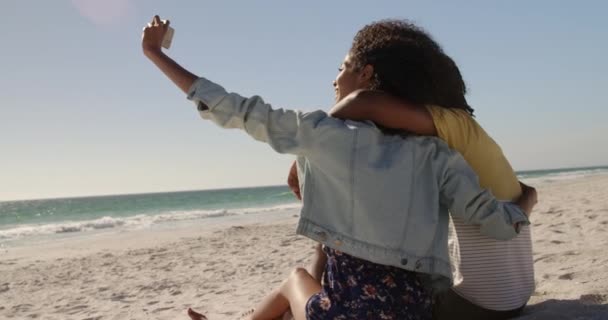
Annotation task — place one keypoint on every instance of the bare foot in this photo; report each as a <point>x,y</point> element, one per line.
<point>195,315</point>
<point>247,314</point>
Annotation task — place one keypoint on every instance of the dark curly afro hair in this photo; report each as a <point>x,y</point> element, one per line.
<point>409,64</point>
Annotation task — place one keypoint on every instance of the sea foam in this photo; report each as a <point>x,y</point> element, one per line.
<point>141,221</point>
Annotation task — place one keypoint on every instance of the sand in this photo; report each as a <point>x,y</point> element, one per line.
<point>570,234</point>
<point>224,269</point>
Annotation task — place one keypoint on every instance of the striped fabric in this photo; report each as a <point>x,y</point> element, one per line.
<point>496,275</point>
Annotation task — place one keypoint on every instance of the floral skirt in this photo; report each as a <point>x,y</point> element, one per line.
<point>358,289</point>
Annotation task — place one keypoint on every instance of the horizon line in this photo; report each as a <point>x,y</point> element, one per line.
<point>243,187</point>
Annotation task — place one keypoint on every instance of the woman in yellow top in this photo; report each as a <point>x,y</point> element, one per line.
<point>496,277</point>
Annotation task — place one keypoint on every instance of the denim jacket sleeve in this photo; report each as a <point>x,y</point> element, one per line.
<point>461,193</point>
<point>286,131</point>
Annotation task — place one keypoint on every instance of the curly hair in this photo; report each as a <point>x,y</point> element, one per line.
<point>409,64</point>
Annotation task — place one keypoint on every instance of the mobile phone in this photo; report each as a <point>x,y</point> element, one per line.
<point>168,38</point>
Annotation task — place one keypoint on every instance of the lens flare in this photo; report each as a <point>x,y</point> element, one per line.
<point>103,12</point>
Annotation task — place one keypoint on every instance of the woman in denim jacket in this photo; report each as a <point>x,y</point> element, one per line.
<point>378,203</point>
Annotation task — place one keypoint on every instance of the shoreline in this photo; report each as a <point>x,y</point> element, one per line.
<point>125,239</point>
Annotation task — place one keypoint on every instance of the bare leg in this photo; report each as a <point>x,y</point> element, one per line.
<point>293,293</point>
<point>317,265</point>
<point>315,269</point>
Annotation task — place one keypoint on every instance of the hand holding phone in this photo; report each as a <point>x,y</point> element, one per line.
<point>156,34</point>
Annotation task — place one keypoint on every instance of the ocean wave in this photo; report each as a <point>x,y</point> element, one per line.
<point>268,209</point>
<point>133,222</point>
<point>536,178</point>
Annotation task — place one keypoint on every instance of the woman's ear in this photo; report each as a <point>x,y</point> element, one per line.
<point>366,75</point>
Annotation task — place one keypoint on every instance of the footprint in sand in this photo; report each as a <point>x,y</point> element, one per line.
<point>76,309</point>
<point>22,307</point>
<point>566,276</point>
<point>594,298</point>
<point>548,257</point>
<point>120,297</point>
<point>571,253</point>
<point>162,309</point>
<point>553,211</point>
<point>223,291</point>
<point>557,242</point>
<point>286,243</point>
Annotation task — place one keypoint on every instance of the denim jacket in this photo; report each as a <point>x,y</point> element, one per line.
<point>382,198</point>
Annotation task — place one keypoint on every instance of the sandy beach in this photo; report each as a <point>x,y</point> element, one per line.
<point>223,270</point>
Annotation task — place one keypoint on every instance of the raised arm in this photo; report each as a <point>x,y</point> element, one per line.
<point>151,45</point>
<point>385,110</point>
<point>312,134</point>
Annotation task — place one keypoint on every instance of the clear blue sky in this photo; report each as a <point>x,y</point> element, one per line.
<point>82,112</point>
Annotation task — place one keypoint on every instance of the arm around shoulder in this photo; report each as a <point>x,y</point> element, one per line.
<point>385,110</point>
<point>461,193</point>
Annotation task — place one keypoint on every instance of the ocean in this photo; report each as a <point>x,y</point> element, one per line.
<point>22,221</point>
<point>41,219</point>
